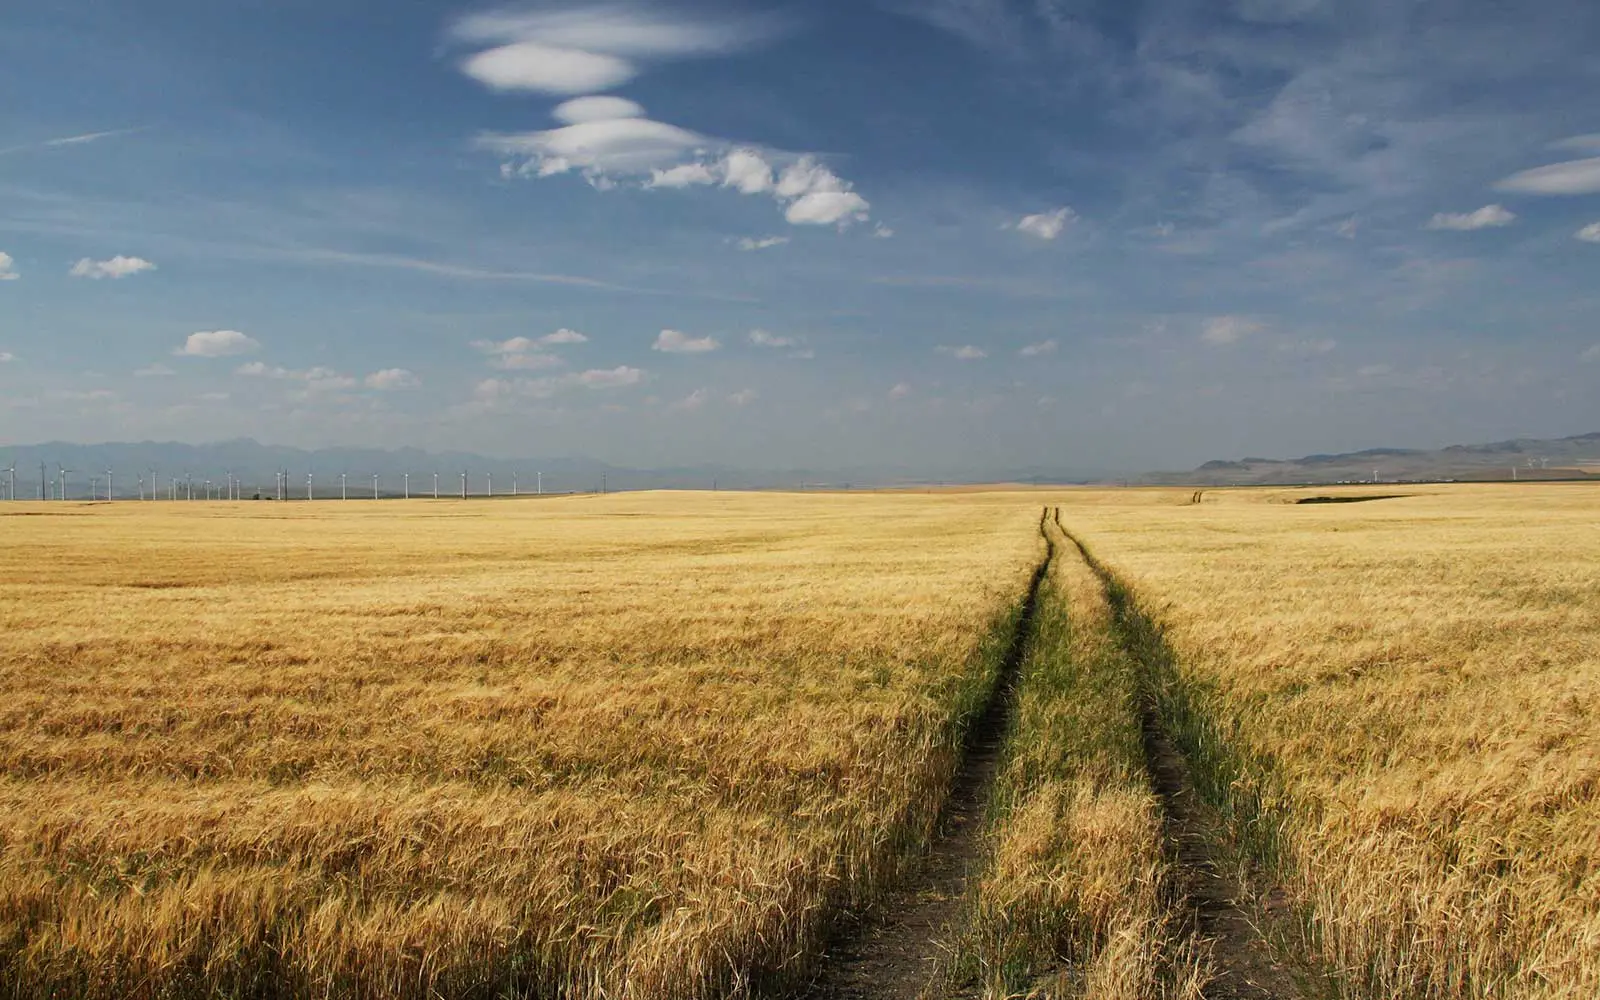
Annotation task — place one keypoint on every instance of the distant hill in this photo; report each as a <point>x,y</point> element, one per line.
<point>1576,457</point>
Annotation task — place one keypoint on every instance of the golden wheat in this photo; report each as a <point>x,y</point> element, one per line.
<point>636,746</point>
<point>1408,689</point>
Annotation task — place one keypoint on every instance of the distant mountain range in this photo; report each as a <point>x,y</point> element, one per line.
<point>177,468</point>
<point>1575,457</point>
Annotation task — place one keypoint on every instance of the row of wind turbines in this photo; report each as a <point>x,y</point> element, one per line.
<point>55,486</point>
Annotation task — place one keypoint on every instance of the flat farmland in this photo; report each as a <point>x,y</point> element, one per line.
<point>1393,704</point>
<point>637,745</point>
<point>1157,744</point>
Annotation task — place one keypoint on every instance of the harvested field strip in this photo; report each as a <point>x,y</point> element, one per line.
<point>1074,901</point>
<point>901,951</point>
<point>1257,949</point>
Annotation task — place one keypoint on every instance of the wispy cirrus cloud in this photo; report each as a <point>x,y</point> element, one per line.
<point>1487,217</point>
<point>73,140</point>
<point>1570,178</point>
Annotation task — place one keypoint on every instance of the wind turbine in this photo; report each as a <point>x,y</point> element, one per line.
<point>11,483</point>
<point>514,485</point>
<point>408,486</point>
<point>463,484</point>
<point>188,484</point>
<point>308,486</point>
<point>42,481</point>
<point>374,486</point>
<point>436,486</point>
<point>64,471</point>
<point>490,476</point>
<point>541,483</point>
<point>153,470</point>
<point>111,487</point>
<point>342,494</point>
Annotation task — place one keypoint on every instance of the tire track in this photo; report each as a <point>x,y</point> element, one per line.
<point>1221,917</point>
<point>898,953</point>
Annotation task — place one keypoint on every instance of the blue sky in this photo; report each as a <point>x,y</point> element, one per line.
<point>961,235</point>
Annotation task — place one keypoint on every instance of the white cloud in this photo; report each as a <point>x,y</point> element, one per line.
<point>154,371</point>
<point>625,146</point>
<point>116,267</point>
<point>966,352</point>
<point>1223,330</point>
<point>214,397</point>
<point>526,353</point>
<point>6,357</point>
<point>746,171</point>
<point>530,361</point>
<point>676,342</point>
<point>217,344</point>
<point>607,378</point>
<point>548,70</point>
<point>765,243</point>
<point>681,176</point>
<point>824,208</point>
<point>315,379</point>
<point>1047,225</point>
<point>744,397</point>
<point>883,232</point>
<point>1591,353</point>
<point>666,156</point>
<point>581,110</point>
<point>1487,217</point>
<point>391,379</point>
<point>694,401</point>
<point>1589,233</point>
<point>622,29</point>
<point>564,336</point>
<point>900,390</point>
<point>1571,177</point>
<point>591,48</point>
<point>1041,348</point>
<point>7,267</point>
<point>762,338</point>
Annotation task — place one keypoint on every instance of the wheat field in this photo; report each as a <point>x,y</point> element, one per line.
<point>652,745</point>
<point>630,746</point>
<point>1399,699</point>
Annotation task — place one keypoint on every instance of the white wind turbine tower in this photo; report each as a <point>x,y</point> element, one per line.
<point>408,486</point>
<point>154,469</point>
<point>111,487</point>
<point>374,486</point>
<point>490,477</point>
<point>436,486</point>
<point>342,494</point>
<point>308,486</point>
<point>540,487</point>
<point>514,485</point>
<point>11,483</point>
<point>64,470</point>
<point>463,484</point>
